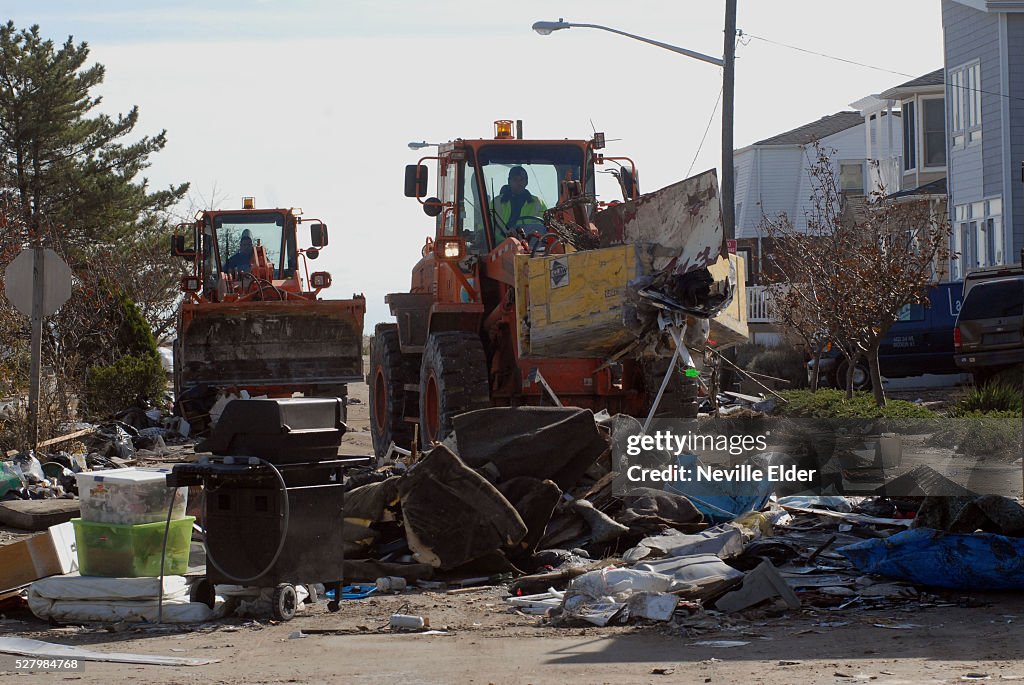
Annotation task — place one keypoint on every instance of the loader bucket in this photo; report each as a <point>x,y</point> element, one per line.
<point>273,347</point>
<point>585,304</point>
<point>681,222</point>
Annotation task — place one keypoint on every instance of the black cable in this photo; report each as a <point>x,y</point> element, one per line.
<point>871,66</point>
<point>163,559</point>
<point>821,54</point>
<point>706,129</point>
<point>286,511</point>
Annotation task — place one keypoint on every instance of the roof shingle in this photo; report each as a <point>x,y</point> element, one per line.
<point>816,130</point>
<point>932,78</point>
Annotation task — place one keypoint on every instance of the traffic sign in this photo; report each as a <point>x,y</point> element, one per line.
<point>19,282</point>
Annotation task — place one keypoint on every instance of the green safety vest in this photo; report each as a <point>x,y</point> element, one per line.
<point>534,206</point>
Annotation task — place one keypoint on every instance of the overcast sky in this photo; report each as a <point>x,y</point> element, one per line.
<point>310,103</point>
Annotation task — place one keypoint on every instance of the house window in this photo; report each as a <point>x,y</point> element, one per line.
<point>963,241</point>
<point>851,177</point>
<point>934,125</point>
<point>978,235</point>
<point>965,104</point>
<point>992,231</point>
<point>909,137</point>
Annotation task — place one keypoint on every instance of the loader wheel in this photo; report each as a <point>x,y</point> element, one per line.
<point>390,371</point>
<point>680,398</point>
<point>453,380</point>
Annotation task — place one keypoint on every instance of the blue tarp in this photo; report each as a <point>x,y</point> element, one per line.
<point>354,592</point>
<point>979,561</point>
<point>720,501</point>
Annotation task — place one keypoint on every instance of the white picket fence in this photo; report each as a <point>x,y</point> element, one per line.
<point>758,304</point>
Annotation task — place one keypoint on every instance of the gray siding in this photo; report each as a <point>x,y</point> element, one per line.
<point>973,35</point>
<point>1015,51</point>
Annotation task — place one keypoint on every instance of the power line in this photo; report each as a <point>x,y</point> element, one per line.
<point>871,66</point>
<point>705,136</point>
<point>822,54</point>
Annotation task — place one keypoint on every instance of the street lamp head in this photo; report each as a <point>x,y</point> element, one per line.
<point>545,28</point>
<point>419,145</point>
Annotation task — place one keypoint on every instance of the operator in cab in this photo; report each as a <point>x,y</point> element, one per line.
<point>241,261</point>
<point>514,202</point>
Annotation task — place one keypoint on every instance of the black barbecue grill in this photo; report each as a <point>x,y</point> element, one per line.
<point>273,497</point>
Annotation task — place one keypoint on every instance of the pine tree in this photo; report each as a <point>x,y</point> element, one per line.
<point>73,177</point>
<point>65,170</point>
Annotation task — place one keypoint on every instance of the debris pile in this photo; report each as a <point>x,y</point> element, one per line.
<point>530,491</point>
<point>137,437</point>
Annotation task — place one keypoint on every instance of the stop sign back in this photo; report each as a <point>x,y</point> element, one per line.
<point>19,282</point>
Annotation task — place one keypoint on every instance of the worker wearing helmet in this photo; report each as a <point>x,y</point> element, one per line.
<point>513,203</point>
<point>241,260</point>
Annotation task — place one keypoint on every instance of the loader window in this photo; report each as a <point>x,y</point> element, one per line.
<point>264,229</point>
<point>545,167</point>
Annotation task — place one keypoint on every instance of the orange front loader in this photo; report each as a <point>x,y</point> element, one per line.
<point>252,317</point>
<point>542,298</point>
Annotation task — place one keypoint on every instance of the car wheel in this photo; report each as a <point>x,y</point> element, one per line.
<point>861,376</point>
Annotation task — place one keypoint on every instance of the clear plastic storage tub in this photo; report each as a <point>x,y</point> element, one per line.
<point>129,496</point>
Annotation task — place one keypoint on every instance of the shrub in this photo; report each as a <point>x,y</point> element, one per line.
<point>745,353</point>
<point>981,435</point>
<point>135,372</point>
<point>786,363</point>
<point>1000,397</point>
<point>109,389</point>
<point>829,403</point>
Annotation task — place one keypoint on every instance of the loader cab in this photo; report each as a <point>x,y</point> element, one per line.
<point>226,235</point>
<point>474,198</point>
<point>510,184</point>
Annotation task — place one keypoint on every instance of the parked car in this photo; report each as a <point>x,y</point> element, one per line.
<point>989,334</point>
<point>919,342</point>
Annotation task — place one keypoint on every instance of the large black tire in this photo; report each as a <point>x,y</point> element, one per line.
<point>453,380</point>
<point>679,400</point>
<point>390,372</point>
<point>861,376</point>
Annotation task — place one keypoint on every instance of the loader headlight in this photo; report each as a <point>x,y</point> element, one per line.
<point>190,284</point>
<point>450,248</point>
<point>320,279</point>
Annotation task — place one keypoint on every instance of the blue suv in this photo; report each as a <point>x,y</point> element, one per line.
<point>919,342</point>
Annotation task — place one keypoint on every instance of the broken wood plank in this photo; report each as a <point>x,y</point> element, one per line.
<point>65,438</point>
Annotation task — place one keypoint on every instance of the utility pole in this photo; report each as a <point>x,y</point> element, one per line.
<point>728,188</point>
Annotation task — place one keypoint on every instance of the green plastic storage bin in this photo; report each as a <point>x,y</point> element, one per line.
<point>124,551</point>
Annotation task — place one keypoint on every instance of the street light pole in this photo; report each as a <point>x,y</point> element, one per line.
<point>545,28</point>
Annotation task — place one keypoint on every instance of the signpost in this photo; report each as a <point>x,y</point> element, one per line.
<point>38,283</point>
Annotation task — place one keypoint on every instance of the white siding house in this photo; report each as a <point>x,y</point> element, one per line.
<point>773,177</point>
